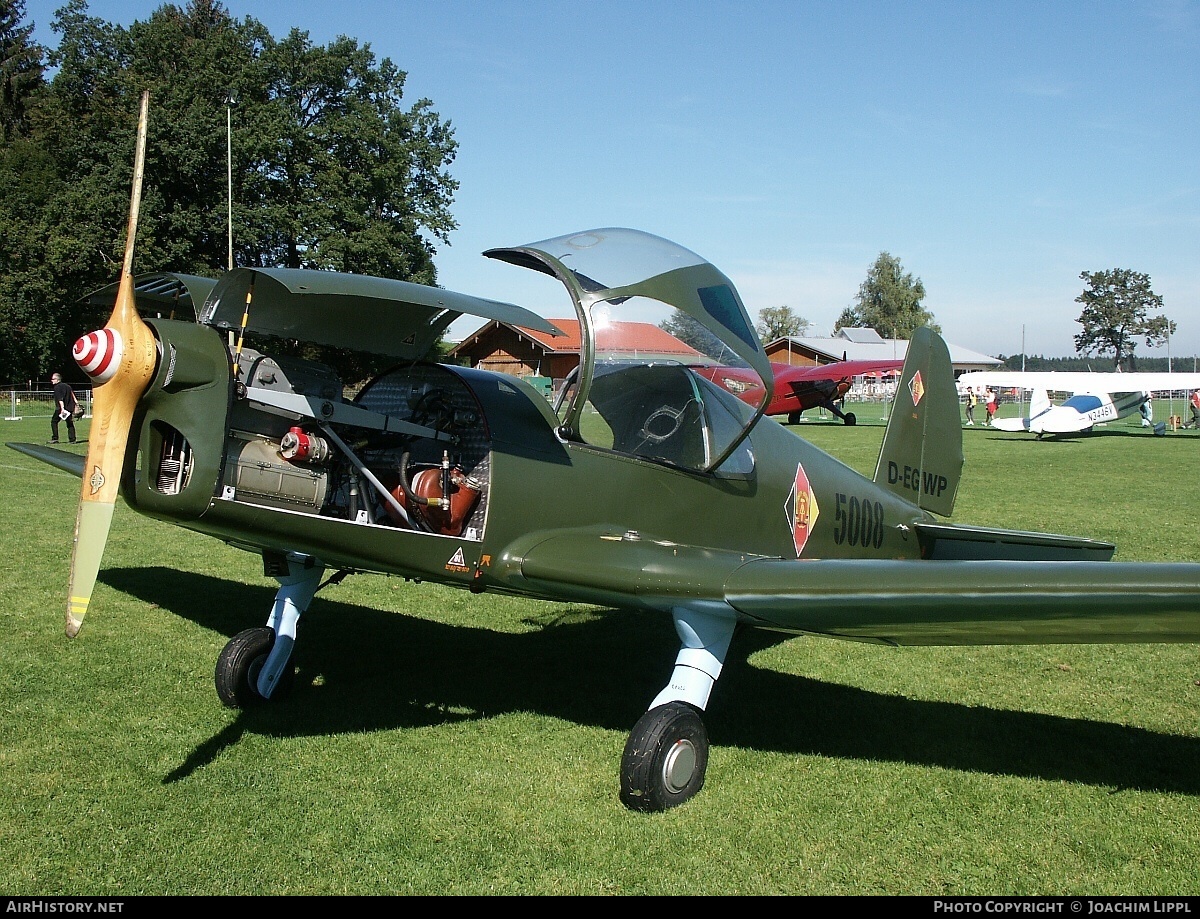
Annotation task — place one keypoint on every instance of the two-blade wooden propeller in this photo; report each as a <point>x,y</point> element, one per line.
<point>120,359</point>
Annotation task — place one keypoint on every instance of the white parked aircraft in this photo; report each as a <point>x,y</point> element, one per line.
<point>1096,398</point>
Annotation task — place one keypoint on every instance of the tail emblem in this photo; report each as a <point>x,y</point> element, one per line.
<point>916,388</point>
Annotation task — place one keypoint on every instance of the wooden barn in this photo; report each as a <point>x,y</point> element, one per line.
<point>525,353</point>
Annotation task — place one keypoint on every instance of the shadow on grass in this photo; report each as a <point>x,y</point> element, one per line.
<point>1083,436</point>
<point>362,669</point>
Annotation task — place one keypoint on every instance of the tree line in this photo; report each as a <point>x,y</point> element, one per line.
<point>330,167</point>
<point>318,155</point>
<point>1119,306</point>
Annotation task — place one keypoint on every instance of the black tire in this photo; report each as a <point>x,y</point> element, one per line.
<point>794,417</point>
<point>665,758</point>
<point>851,419</point>
<point>238,666</point>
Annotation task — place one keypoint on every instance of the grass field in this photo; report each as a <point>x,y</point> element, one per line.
<point>445,743</point>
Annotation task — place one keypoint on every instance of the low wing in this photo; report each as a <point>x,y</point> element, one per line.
<point>602,565</point>
<point>1079,382</point>
<point>60,459</point>
<point>976,602</point>
<point>976,586</point>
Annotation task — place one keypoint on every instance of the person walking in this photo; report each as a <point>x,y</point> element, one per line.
<point>991,404</point>
<point>65,404</point>
<point>1194,401</point>
<point>972,401</point>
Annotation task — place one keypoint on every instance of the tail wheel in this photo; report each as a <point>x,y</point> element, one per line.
<point>665,758</point>
<point>238,667</point>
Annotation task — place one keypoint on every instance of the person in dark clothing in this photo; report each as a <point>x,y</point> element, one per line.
<point>64,408</point>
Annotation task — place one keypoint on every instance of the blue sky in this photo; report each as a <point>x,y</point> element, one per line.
<point>997,149</point>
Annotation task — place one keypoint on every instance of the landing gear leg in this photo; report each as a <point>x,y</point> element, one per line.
<point>666,755</point>
<point>256,663</point>
<point>848,418</point>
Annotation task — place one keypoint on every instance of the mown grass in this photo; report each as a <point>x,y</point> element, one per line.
<point>443,743</point>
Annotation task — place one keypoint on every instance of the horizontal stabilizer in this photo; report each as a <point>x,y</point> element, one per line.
<point>1010,424</point>
<point>1039,405</point>
<point>967,542</point>
<point>60,459</point>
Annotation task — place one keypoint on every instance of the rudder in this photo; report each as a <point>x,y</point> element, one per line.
<point>922,459</point>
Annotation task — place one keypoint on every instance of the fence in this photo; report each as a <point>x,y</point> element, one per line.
<point>39,403</point>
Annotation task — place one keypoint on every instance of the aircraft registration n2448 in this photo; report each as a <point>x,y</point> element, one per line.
<point>1096,398</point>
<point>644,486</point>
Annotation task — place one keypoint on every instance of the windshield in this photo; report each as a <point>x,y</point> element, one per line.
<point>648,309</point>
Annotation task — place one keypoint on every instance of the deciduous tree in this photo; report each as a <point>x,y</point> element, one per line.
<point>331,167</point>
<point>780,322</point>
<point>888,301</point>
<point>1116,310</point>
<point>693,334</point>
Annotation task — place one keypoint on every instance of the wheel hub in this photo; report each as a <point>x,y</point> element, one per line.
<point>678,766</point>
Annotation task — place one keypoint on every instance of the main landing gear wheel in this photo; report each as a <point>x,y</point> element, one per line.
<point>794,417</point>
<point>850,418</point>
<point>665,758</point>
<point>238,667</point>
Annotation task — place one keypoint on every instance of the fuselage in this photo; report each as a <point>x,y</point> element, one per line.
<point>1080,413</point>
<point>792,393</point>
<point>214,460</point>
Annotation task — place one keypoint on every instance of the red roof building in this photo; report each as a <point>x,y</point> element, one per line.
<point>523,352</point>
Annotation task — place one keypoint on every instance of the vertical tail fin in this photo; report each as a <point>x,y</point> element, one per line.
<point>1039,404</point>
<point>922,458</point>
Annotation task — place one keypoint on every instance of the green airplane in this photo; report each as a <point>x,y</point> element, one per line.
<point>643,485</point>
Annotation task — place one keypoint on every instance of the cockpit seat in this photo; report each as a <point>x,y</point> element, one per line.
<point>654,411</point>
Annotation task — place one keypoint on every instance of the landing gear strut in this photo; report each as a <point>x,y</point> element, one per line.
<point>239,665</point>
<point>256,664</point>
<point>666,755</point>
<point>849,418</point>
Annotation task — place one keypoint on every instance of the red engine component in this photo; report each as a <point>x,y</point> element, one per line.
<point>442,516</point>
<point>298,447</point>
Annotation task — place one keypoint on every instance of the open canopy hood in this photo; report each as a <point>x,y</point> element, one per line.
<point>380,316</point>
<point>618,277</point>
<point>617,264</point>
<point>377,315</point>
<point>165,294</point>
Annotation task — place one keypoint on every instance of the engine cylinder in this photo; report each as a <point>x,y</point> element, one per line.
<point>257,472</point>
